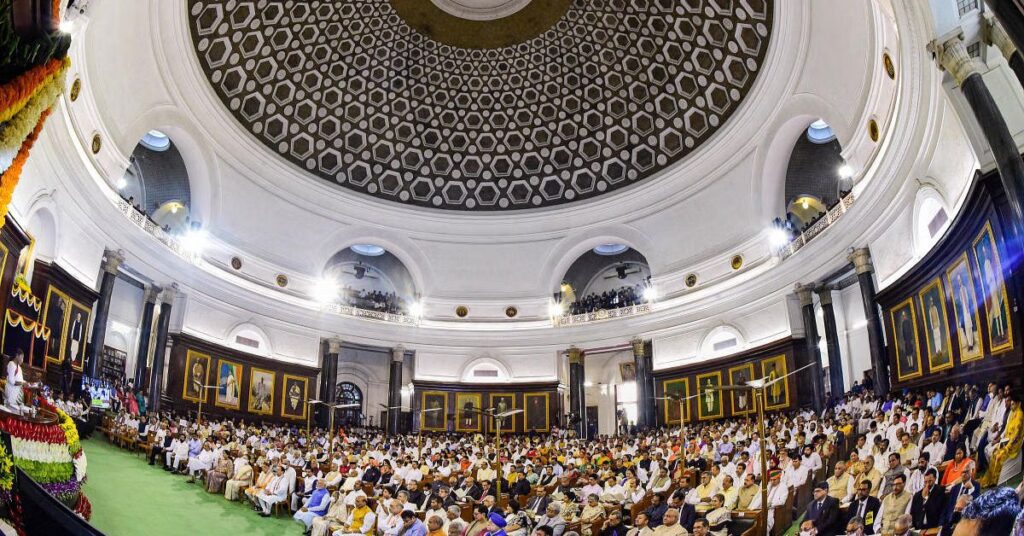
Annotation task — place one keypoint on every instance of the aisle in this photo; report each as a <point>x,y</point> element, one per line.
<point>129,497</point>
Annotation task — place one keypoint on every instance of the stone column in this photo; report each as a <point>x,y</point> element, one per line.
<point>157,372</point>
<point>142,356</point>
<point>835,362</point>
<point>395,389</point>
<point>813,374</point>
<point>328,380</point>
<point>1008,13</point>
<point>577,391</point>
<point>994,35</point>
<point>966,72</point>
<point>111,263</point>
<point>644,384</point>
<point>861,259</point>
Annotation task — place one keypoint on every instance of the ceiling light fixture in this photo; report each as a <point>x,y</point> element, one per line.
<point>122,183</point>
<point>195,241</point>
<point>778,237</point>
<point>650,294</point>
<point>845,171</point>
<point>325,290</point>
<point>555,309</point>
<point>416,309</point>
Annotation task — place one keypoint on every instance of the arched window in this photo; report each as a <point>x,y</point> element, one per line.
<point>349,393</point>
<point>156,182</point>
<point>930,219</point>
<point>814,178</point>
<point>609,276</point>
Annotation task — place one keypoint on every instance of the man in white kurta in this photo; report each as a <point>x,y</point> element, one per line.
<point>275,492</point>
<point>201,462</point>
<point>15,379</point>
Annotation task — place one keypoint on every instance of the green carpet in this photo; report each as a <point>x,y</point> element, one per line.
<point>129,497</point>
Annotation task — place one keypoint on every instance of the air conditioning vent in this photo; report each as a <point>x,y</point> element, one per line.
<point>246,341</point>
<point>722,345</point>
<point>485,373</point>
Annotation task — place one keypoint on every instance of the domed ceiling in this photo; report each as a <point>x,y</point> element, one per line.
<point>560,101</point>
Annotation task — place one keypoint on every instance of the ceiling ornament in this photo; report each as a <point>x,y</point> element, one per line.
<point>614,92</point>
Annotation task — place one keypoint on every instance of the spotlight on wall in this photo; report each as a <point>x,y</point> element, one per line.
<point>195,240</point>
<point>416,309</point>
<point>845,171</point>
<point>121,183</point>
<point>555,309</point>
<point>588,384</point>
<point>650,294</point>
<point>778,237</point>
<point>67,26</point>
<point>325,290</point>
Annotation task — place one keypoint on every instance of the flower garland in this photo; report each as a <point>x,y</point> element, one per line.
<point>16,93</point>
<point>46,433</point>
<point>45,473</point>
<point>9,178</point>
<point>20,126</point>
<point>6,470</point>
<point>38,451</point>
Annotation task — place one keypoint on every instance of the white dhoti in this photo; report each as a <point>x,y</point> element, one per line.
<point>13,395</point>
<point>306,518</point>
<point>196,466</point>
<point>267,501</point>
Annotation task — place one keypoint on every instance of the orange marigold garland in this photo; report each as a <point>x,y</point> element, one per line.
<point>15,94</point>
<point>9,179</point>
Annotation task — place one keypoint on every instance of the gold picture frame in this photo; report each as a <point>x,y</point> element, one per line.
<point>294,397</point>
<point>670,406</point>
<point>993,269</point>
<point>905,368</point>
<point>466,421</point>
<point>193,388</point>
<point>710,401</point>
<point>261,401</point>
<point>776,396</point>
<point>224,400</point>
<point>966,318</point>
<point>427,421</point>
<point>532,419</point>
<point>56,330</point>
<point>734,396</point>
<point>493,401</point>
<point>934,317</point>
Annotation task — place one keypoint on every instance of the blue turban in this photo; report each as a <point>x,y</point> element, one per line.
<point>497,520</point>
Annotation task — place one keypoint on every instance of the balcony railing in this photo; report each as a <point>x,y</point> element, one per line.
<point>601,314</point>
<point>831,216</point>
<point>348,310</point>
<point>154,230</point>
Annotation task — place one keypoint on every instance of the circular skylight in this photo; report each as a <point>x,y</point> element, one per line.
<point>610,249</point>
<point>820,132</point>
<point>368,250</point>
<point>155,140</point>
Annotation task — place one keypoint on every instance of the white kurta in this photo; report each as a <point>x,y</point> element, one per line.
<point>12,393</point>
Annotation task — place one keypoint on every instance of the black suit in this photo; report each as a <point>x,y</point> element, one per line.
<point>951,497</point>
<point>927,513</point>
<point>474,492</point>
<point>867,510</point>
<point>825,514</point>
<point>538,504</point>
<point>521,487</point>
<point>371,475</point>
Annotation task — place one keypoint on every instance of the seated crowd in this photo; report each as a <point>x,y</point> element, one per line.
<point>911,462</point>
<point>374,300</point>
<point>609,299</point>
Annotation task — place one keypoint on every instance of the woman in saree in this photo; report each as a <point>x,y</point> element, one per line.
<point>1008,446</point>
<point>220,473</point>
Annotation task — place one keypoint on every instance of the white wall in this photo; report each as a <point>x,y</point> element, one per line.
<point>853,334</point>
<point>124,322</point>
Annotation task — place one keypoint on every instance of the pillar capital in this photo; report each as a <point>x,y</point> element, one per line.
<point>169,293</point>
<point>398,353</point>
<point>112,260</point>
<point>805,293</point>
<point>994,34</point>
<point>861,259</point>
<point>824,293</point>
<point>575,355</point>
<point>334,346</point>
<point>952,56</point>
<point>151,293</point>
<point>638,345</point>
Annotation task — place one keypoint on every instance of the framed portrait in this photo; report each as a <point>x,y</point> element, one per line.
<point>932,300</point>
<point>261,392</point>
<point>627,370</point>
<point>293,397</point>
<point>195,376</point>
<point>74,339</point>
<point>500,403</point>
<point>436,419</point>
<point>55,313</point>
<point>538,412</point>
<point>908,352</point>
<point>993,291</point>
<point>676,387</point>
<point>777,395</point>
<point>709,399</point>
<point>467,407</point>
<point>966,323</point>
<point>229,384</point>
<point>742,401</point>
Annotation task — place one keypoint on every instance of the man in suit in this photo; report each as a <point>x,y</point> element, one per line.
<point>965,487</point>
<point>522,485</point>
<point>928,504</point>
<point>864,506</point>
<point>539,502</point>
<point>824,511</point>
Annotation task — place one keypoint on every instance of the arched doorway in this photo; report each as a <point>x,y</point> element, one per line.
<point>349,393</point>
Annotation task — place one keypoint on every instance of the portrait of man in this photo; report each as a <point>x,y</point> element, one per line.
<point>537,415</point>
<point>468,406</point>
<point>437,419</point>
<point>228,389</point>
<point>777,394</point>
<point>904,323</point>
<point>196,367</point>
<point>741,400</point>
<point>993,289</point>
<point>933,310</point>
<point>709,401</point>
<point>628,371</point>
<point>960,283</point>
<point>261,392</point>
<point>676,389</point>
<point>293,403</point>
<point>57,305</point>
<point>501,404</point>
